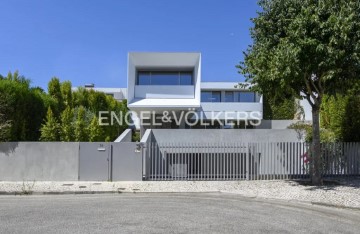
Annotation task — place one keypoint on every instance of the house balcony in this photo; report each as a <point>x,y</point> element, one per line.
<point>165,91</point>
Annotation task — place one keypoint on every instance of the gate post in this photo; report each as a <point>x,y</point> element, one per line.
<point>247,161</point>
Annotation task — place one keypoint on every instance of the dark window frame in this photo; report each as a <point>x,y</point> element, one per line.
<point>239,96</point>
<point>210,91</point>
<point>233,96</point>
<point>178,72</point>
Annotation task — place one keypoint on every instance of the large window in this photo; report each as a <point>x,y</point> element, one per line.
<point>186,78</point>
<point>246,96</point>
<point>229,96</point>
<point>211,96</point>
<point>165,78</point>
<point>144,78</point>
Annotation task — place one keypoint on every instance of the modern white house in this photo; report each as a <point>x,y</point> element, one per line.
<point>169,83</point>
<point>192,129</point>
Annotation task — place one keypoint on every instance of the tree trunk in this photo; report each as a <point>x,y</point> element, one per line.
<point>316,176</point>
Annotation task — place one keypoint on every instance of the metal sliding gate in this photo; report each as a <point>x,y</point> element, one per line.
<point>245,161</point>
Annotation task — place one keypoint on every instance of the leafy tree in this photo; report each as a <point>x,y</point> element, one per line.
<point>66,93</point>
<point>24,117</point>
<point>332,113</point>
<point>304,131</point>
<point>67,126</point>
<point>5,124</point>
<point>351,121</point>
<point>340,115</point>
<point>47,100</point>
<point>50,129</point>
<point>119,109</point>
<point>81,97</point>
<point>95,130</point>
<point>93,102</point>
<point>283,108</point>
<point>307,48</point>
<point>97,101</point>
<point>54,90</point>
<point>80,125</point>
<point>25,108</point>
<point>16,77</point>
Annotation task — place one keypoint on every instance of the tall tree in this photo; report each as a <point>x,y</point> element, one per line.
<point>18,78</point>
<point>351,121</point>
<point>66,93</point>
<point>97,101</point>
<point>80,125</point>
<point>50,129</point>
<point>5,124</point>
<point>24,107</point>
<point>81,97</point>
<point>54,90</point>
<point>95,131</point>
<point>307,48</point>
<point>67,126</point>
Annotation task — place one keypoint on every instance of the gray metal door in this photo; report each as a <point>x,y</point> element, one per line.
<point>127,162</point>
<point>95,161</point>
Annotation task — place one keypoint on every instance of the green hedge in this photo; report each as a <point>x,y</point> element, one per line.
<point>340,114</point>
<point>279,109</point>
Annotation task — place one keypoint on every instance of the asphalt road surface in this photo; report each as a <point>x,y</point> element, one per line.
<point>169,213</point>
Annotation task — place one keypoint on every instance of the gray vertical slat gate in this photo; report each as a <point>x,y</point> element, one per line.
<point>246,161</point>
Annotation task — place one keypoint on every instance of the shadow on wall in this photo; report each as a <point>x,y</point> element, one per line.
<point>8,147</point>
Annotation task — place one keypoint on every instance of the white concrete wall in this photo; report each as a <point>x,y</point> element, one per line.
<point>126,136</point>
<point>131,79</point>
<point>276,124</point>
<point>224,135</point>
<point>172,94</point>
<point>49,161</point>
<point>69,161</point>
<point>197,81</point>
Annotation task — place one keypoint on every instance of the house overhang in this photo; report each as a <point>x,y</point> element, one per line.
<point>162,96</point>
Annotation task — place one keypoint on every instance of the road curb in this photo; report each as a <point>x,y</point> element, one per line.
<point>296,201</point>
<point>57,193</point>
<point>94,192</point>
<point>335,205</point>
<point>6,193</point>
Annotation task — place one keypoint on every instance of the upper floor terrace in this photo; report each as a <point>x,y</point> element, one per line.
<point>164,80</point>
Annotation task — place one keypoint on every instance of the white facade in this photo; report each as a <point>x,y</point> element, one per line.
<point>236,109</point>
<point>159,97</point>
<point>209,100</point>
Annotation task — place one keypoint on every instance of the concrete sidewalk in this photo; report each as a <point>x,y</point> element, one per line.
<point>343,193</point>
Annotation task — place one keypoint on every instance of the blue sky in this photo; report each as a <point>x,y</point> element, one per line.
<point>87,41</point>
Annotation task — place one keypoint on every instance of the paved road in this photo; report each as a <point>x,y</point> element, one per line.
<point>168,213</point>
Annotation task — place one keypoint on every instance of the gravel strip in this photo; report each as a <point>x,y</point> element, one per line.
<point>345,192</point>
